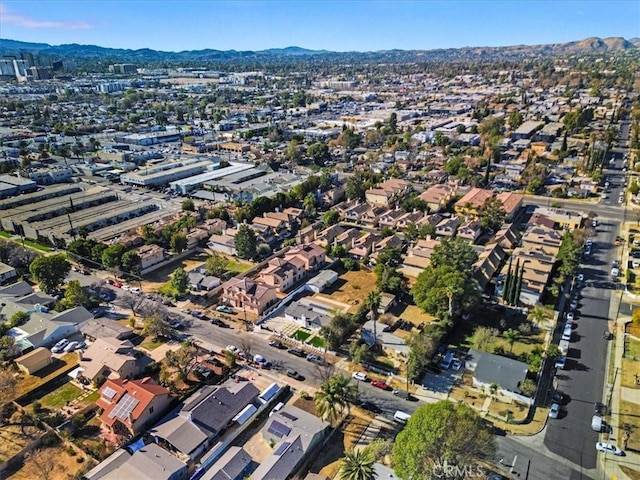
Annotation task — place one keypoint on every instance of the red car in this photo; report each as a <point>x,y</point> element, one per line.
<point>117,284</point>
<point>380,384</point>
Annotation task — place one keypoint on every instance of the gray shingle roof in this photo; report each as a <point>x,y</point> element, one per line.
<point>505,372</point>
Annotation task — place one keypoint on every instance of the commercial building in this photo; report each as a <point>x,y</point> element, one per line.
<point>186,185</point>
<point>164,174</point>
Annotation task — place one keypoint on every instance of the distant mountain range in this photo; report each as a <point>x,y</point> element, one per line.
<point>87,52</point>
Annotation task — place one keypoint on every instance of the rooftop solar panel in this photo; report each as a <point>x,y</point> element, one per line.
<point>108,392</point>
<point>282,448</point>
<point>278,429</point>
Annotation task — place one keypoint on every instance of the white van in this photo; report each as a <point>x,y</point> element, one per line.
<point>277,408</point>
<point>596,423</point>
<point>401,417</point>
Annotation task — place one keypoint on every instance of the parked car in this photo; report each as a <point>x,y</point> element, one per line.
<point>361,376</point>
<point>369,406</point>
<point>581,277</point>
<point>554,411</point>
<point>218,322</point>
<point>380,384</point>
<point>260,360</point>
<point>58,347</point>
<point>315,359</point>
<point>456,364</point>
<point>570,316</point>
<point>117,284</point>
<point>276,344</point>
<point>297,352</point>
<point>295,375</point>
<point>561,362</point>
<point>402,394</point>
<point>71,346</point>
<point>608,448</point>
<point>558,397</point>
<point>232,349</point>
<point>224,309</point>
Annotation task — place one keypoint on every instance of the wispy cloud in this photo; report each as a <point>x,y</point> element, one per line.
<point>10,18</point>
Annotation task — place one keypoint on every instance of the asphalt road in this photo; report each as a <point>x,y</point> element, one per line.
<point>571,436</point>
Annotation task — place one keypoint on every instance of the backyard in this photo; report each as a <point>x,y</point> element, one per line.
<point>17,433</point>
<point>351,288</point>
<point>629,415</point>
<point>66,394</point>
<point>524,343</point>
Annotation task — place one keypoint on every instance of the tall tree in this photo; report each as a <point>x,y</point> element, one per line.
<point>178,242</point>
<point>182,359</point>
<point>216,264</point>
<point>245,242</point>
<point>514,284</point>
<point>333,398</point>
<point>180,280</point>
<point>491,214</point>
<point>357,465</point>
<point>50,271</point>
<point>440,432</point>
<point>511,336</point>
<point>456,253</point>
<point>506,290</point>
<point>372,303</point>
<point>131,262</point>
<point>156,326</point>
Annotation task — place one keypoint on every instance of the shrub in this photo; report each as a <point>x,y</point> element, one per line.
<point>71,452</point>
<point>80,459</point>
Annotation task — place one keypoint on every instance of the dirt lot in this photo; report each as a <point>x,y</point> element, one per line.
<point>15,437</point>
<point>351,288</point>
<point>157,278</point>
<point>630,371</point>
<point>66,466</point>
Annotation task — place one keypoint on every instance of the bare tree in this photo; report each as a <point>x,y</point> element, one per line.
<point>41,463</point>
<point>132,301</point>
<point>246,344</point>
<point>8,384</point>
<point>324,371</point>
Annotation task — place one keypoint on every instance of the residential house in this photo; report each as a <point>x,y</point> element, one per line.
<point>488,263</point>
<point>150,462</point>
<point>355,213</point>
<point>390,217</point>
<point>310,233</point>
<point>324,279</point>
<point>347,238</point>
<point>472,201</point>
<point>7,273</point>
<point>470,230</point>
<point>310,254</point>
<point>409,217</point>
<point>34,361</point>
<point>564,219</point>
<point>448,226</point>
<point>199,280</point>
<point>113,358</point>
<point>275,224</point>
<point>389,341</point>
<point>295,435</point>
<point>248,295</point>
<point>103,328</point>
<point>511,203</point>
<point>542,238</point>
<point>234,464</point>
<point>283,274</point>
<point>489,369</point>
<point>433,219</point>
<point>44,328</point>
<point>363,246</point>
<point>308,312</point>
<point>419,257</point>
<point>508,236</point>
<point>343,207</point>
<point>371,217</point>
<point>537,270</point>
<point>389,192</point>
<point>438,196</point>
<point>196,236</point>
<point>150,255</point>
<point>129,406</point>
<point>327,236</point>
<point>196,424</point>
<point>223,243</point>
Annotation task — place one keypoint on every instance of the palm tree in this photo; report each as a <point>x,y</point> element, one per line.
<point>540,317</point>
<point>372,302</point>
<point>332,400</point>
<point>309,203</point>
<point>511,336</point>
<point>357,465</point>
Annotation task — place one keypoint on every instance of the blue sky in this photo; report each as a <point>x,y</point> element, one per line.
<point>362,25</point>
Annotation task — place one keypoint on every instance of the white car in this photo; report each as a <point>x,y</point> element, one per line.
<point>608,448</point>
<point>570,316</point>
<point>59,347</point>
<point>566,334</point>
<point>232,349</point>
<point>71,346</point>
<point>456,365</point>
<point>360,376</point>
<point>621,200</point>
<point>554,411</point>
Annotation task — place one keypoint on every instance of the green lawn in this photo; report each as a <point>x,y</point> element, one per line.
<point>59,397</point>
<point>301,335</point>
<point>150,344</point>
<point>631,349</point>
<point>37,246</point>
<point>317,342</point>
<point>238,266</point>
<point>5,235</point>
